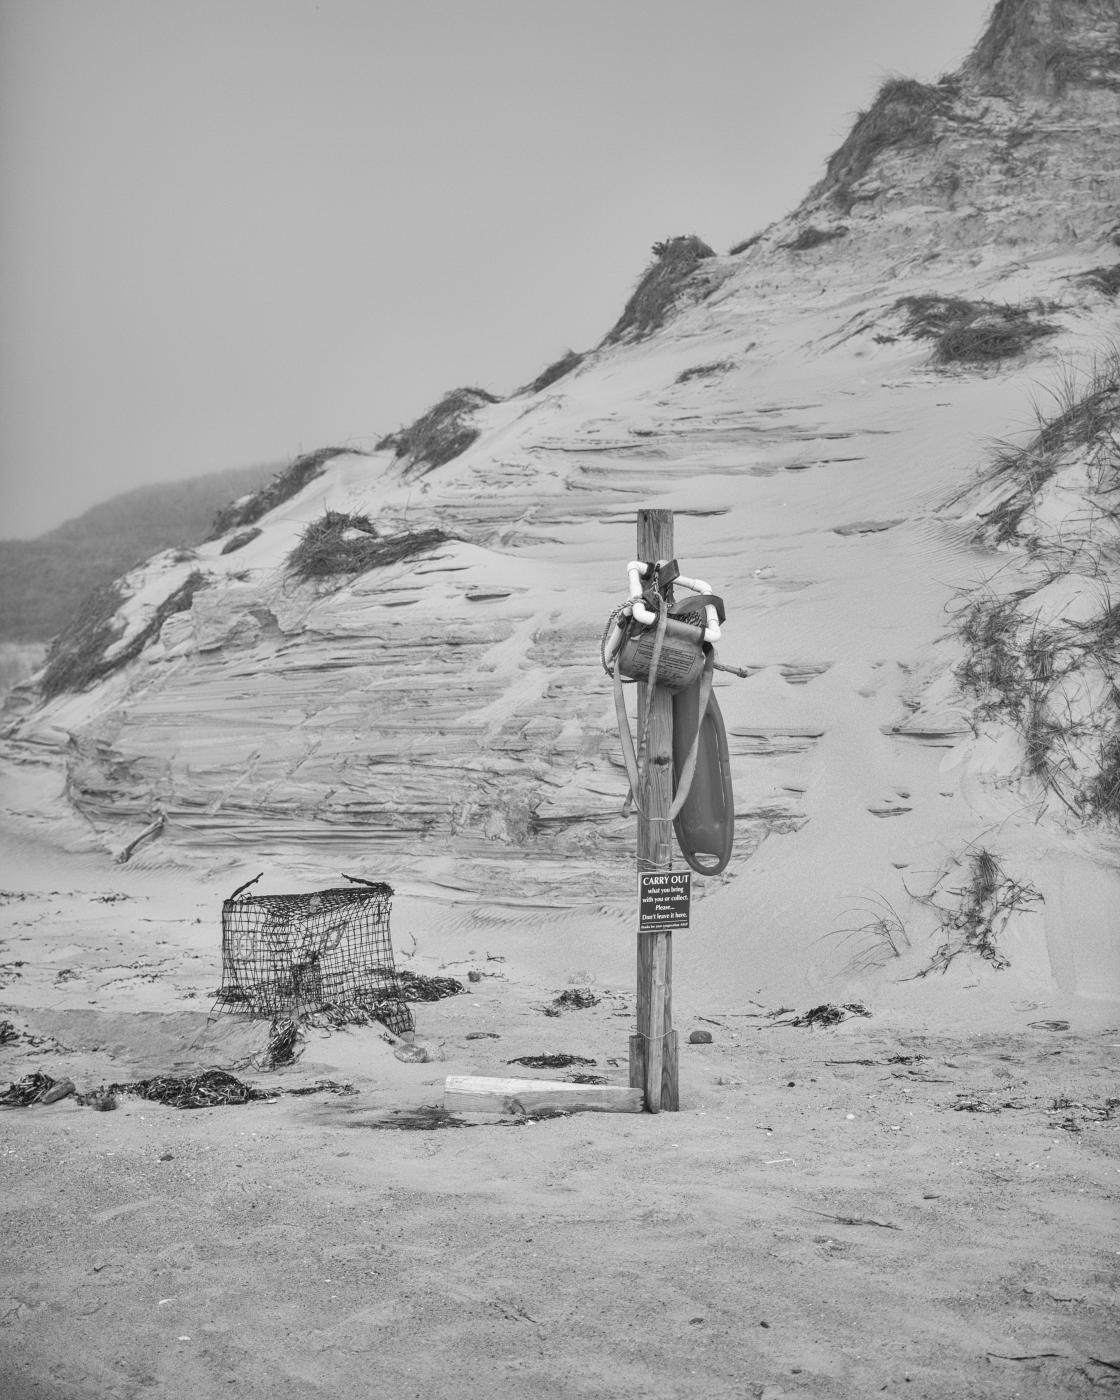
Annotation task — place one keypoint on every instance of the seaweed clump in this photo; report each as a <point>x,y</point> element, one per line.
<point>210,1089</point>
<point>417,986</point>
<point>560,1061</point>
<point>675,260</point>
<point>576,999</point>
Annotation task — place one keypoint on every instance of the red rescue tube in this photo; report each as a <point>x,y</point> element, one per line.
<point>705,824</point>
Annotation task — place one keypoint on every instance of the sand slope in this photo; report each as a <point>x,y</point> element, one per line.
<point>918,1201</point>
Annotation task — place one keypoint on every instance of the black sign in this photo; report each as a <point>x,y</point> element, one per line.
<point>664,897</point>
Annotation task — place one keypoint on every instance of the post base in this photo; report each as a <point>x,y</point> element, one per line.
<point>669,1097</point>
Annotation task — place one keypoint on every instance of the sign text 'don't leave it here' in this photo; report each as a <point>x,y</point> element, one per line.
<point>664,897</point>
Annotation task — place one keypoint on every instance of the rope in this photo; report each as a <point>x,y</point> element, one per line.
<point>615,615</point>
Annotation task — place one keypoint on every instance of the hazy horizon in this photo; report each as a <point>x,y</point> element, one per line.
<point>234,232</point>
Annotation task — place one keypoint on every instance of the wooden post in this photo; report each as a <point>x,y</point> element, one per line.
<point>653,1051</point>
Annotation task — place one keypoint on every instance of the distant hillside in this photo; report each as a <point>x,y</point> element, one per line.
<point>43,581</point>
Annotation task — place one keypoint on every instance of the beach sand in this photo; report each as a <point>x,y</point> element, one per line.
<point>920,1201</point>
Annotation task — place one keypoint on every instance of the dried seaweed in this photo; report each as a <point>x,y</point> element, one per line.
<point>977,1103</point>
<point>211,1089</point>
<point>283,1041</point>
<point>827,1015</point>
<point>561,1061</point>
<point>576,999</point>
<point>415,986</point>
<point>31,1089</point>
<point>324,1086</point>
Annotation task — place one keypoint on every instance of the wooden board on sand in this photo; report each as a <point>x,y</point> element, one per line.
<point>469,1093</point>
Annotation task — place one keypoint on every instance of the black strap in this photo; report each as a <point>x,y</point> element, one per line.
<point>688,605</point>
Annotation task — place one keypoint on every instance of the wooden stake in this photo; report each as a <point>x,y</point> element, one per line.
<point>152,830</point>
<point>653,1051</point>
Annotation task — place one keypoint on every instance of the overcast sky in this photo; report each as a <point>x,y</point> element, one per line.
<point>234,230</point>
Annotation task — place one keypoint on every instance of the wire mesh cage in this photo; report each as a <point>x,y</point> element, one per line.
<point>299,956</point>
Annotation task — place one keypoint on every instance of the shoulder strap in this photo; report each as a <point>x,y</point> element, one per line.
<point>688,772</point>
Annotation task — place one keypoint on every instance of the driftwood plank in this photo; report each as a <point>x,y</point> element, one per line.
<point>470,1093</point>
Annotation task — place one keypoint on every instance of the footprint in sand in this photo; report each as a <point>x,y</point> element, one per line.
<point>802,672</point>
<point>895,804</point>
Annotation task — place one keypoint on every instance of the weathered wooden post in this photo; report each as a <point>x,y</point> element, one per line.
<point>653,1050</point>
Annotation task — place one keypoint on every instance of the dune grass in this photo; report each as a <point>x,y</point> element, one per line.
<point>675,260</point>
<point>1103,793</point>
<point>972,332</point>
<point>286,484</point>
<point>904,114</point>
<point>441,434</point>
<point>706,371</point>
<point>1053,672</point>
<point>77,657</point>
<point>979,911</point>
<point>340,544</point>
<point>879,935</point>
<point>1067,67</point>
<point>810,237</point>
<point>992,670</point>
<point>570,360</point>
<point>241,539</point>
<point>1104,279</point>
<point>1083,416</point>
<point>1021,673</point>
<point>744,245</point>
<point>1034,48</point>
